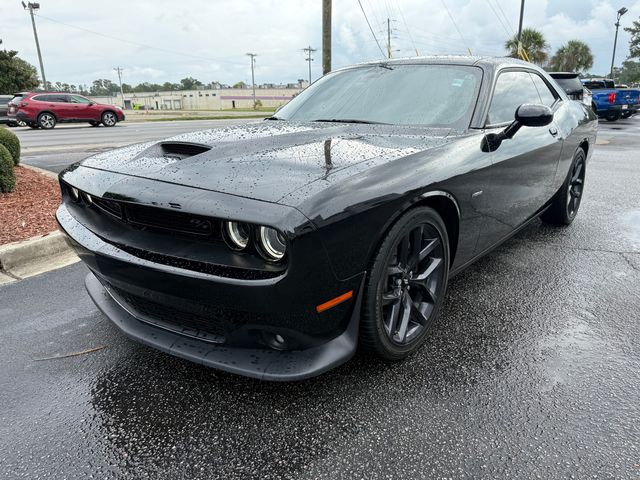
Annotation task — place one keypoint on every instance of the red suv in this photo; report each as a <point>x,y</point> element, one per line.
<point>45,110</point>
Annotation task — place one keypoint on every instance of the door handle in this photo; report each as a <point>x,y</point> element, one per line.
<point>553,131</point>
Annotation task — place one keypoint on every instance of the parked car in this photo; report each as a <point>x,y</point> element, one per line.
<point>275,250</point>
<point>571,84</point>
<point>4,108</point>
<point>47,109</point>
<point>612,103</point>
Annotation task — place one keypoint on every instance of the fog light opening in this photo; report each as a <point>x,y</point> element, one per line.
<point>275,341</point>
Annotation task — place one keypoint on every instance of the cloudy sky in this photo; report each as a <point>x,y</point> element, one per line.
<point>162,40</point>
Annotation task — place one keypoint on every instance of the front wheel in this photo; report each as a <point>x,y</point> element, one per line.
<point>565,204</point>
<point>109,119</point>
<point>46,120</point>
<point>405,286</point>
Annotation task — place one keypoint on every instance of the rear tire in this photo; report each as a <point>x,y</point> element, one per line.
<point>405,286</point>
<point>47,121</point>
<point>612,116</point>
<point>109,119</point>
<point>626,114</point>
<point>566,202</point>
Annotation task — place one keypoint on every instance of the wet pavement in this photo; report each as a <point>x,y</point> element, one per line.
<point>532,371</point>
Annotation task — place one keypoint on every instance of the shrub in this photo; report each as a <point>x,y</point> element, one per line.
<point>7,175</point>
<point>11,143</point>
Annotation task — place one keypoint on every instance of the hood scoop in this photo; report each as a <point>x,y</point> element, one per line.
<point>175,150</point>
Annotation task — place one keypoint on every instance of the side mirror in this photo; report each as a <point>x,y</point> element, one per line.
<point>527,115</point>
<point>91,104</point>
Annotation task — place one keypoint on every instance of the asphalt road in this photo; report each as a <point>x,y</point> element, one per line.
<point>55,149</point>
<point>532,371</point>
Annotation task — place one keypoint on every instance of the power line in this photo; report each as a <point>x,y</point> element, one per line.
<point>455,25</point>
<point>407,28</point>
<point>506,19</point>
<point>372,32</point>
<point>495,12</point>
<point>173,52</point>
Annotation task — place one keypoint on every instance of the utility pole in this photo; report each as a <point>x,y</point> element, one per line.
<point>309,51</point>
<point>31,7</point>
<point>520,29</point>
<point>388,38</point>
<point>326,36</point>
<point>253,79</point>
<point>119,70</point>
<point>621,12</point>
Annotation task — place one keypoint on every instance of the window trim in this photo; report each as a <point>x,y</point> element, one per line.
<point>554,107</point>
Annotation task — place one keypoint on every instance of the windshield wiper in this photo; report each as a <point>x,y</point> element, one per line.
<point>347,120</point>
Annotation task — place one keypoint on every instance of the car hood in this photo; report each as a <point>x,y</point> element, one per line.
<point>270,160</point>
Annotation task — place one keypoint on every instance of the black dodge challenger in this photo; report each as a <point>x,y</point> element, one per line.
<point>274,250</point>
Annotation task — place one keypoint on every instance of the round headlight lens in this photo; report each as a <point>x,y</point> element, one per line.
<point>237,234</point>
<point>75,194</point>
<point>272,243</point>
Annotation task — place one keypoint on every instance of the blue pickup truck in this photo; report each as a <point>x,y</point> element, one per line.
<point>612,103</point>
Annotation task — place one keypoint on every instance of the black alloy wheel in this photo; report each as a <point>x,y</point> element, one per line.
<point>576,183</point>
<point>46,120</point>
<point>566,202</point>
<point>612,116</point>
<point>109,119</point>
<point>406,286</point>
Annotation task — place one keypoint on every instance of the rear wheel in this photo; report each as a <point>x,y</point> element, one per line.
<point>565,204</point>
<point>406,284</point>
<point>46,120</point>
<point>612,116</point>
<point>109,119</point>
<point>626,114</point>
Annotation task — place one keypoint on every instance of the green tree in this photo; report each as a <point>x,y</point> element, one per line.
<point>15,73</point>
<point>575,56</point>
<point>240,84</point>
<point>533,43</point>
<point>629,73</point>
<point>103,87</point>
<point>634,42</point>
<point>190,83</point>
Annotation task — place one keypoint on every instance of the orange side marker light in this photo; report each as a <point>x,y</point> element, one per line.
<point>335,301</point>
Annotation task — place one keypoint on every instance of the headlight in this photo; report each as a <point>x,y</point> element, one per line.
<point>237,234</point>
<point>88,199</point>
<point>75,194</point>
<point>273,245</point>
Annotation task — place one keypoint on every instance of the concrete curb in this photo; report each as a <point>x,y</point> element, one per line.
<point>41,171</point>
<point>37,255</point>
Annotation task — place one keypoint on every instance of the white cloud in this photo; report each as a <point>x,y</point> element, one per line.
<point>209,40</point>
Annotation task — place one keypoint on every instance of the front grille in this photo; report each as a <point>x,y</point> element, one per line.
<point>168,220</point>
<point>210,327</point>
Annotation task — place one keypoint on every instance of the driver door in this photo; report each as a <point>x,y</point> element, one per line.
<point>82,107</point>
<point>523,168</point>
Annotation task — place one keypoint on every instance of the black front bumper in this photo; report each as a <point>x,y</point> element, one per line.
<point>148,300</point>
<point>264,363</point>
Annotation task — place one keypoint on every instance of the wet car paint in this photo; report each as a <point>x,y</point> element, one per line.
<point>531,372</point>
<point>335,191</point>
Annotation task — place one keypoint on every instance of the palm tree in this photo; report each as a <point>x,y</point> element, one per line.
<point>575,56</point>
<point>533,43</point>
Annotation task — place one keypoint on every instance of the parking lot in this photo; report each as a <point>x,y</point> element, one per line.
<point>532,370</point>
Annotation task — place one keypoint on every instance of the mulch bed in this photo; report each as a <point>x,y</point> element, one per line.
<point>29,210</point>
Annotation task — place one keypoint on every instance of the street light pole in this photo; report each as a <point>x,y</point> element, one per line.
<point>31,7</point>
<point>520,28</point>
<point>326,36</point>
<point>253,80</point>
<point>621,12</point>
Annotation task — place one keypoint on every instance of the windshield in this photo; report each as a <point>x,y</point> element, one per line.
<point>570,85</point>
<point>431,95</point>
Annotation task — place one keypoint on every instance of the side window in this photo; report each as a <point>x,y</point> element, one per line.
<point>42,98</point>
<point>546,96</point>
<point>59,99</point>
<point>79,99</point>
<point>512,90</point>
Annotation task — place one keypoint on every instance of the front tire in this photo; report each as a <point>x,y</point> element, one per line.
<point>405,285</point>
<point>109,119</point>
<point>47,121</point>
<point>565,204</point>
